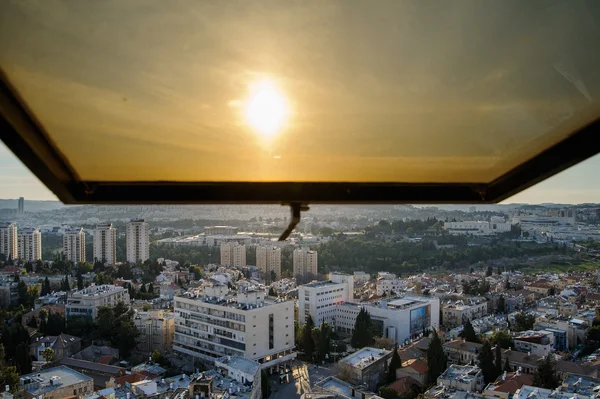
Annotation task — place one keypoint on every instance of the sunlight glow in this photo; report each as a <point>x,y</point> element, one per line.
<point>267,109</point>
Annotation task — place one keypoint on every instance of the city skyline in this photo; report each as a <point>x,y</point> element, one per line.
<point>572,186</point>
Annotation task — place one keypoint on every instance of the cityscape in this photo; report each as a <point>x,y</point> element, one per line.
<point>393,302</point>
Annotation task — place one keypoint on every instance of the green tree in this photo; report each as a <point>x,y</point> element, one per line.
<point>485,360</point>
<point>498,360</point>
<point>524,322</point>
<point>48,354</point>
<point>308,344</point>
<point>46,289</point>
<point>468,332</point>
<point>506,365</point>
<point>436,358</point>
<point>80,285</point>
<point>264,384</point>
<point>22,358</point>
<point>362,335</point>
<point>501,308</point>
<point>489,271</point>
<point>502,338</point>
<point>324,342</point>
<point>545,375</point>
<point>272,291</point>
<point>10,376</point>
<point>43,321</point>
<point>395,364</point>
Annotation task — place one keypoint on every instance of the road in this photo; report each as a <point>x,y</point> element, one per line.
<point>303,376</point>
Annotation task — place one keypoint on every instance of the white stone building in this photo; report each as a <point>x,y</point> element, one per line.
<point>74,245</point>
<point>156,329</point>
<point>138,241</point>
<point>8,240</point>
<point>86,302</point>
<point>319,299</point>
<point>268,259</point>
<point>456,313</point>
<point>233,254</point>
<point>105,243</point>
<point>30,244</point>
<point>215,322</point>
<point>305,262</point>
<point>496,225</point>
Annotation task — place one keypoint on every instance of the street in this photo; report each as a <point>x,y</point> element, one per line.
<point>302,377</point>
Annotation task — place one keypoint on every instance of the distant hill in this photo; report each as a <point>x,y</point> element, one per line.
<point>31,205</point>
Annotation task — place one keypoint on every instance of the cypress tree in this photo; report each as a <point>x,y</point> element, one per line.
<point>395,364</point>
<point>545,375</point>
<point>486,363</point>
<point>436,358</point>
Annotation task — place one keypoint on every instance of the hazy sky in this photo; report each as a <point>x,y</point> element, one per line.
<point>576,185</point>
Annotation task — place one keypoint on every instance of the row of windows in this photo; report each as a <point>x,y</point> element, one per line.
<point>329,292</point>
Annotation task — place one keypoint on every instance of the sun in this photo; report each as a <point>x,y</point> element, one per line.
<point>267,108</point>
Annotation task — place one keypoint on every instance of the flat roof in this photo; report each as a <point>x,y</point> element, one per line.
<point>365,357</point>
<point>242,364</point>
<point>67,377</point>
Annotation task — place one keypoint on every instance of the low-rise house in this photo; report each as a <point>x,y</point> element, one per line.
<point>416,369</point>
<point>507,384</point>
<point>101,373</point>
<point>461,352</point>
<point>538,343</point>
<point>464,378</point>
<point>521,361</point>
<point>55,383</point>
<point>366,366</point>
<point>63,346</point>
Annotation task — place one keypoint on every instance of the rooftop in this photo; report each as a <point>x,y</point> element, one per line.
<point>365,356</point>
<point>335,385</point>
<point>317,284</point>
<point>510,382</point>
<point>242,364</point>
<point>587,386</point>
<point>94,290</point>
<point>462,373</point>
<point>48,380</point>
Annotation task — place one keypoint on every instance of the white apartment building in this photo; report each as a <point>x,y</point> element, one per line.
<point>319,299</point>
<point>8,240</point>
<point>455,314</point>
<point>268,259</point>
<point>30,244</point>
<point>85,303</point>
<point>156,329</point>
<point>138,241</point>
<point>233,254</point>
<point>105,243</point>
<point>390,286</point>
<point>305,262</point>
<point>215,322</point>
<point>74,245</point>
<point>496,225</point>
<point>399,319</point>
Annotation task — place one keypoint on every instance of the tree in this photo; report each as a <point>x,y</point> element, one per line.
<point>48,354</point>
<point>362,335</point>
<point>506,365</point>
<point>143,289</point>
<point>502,339</point>
<point>489,271</point>
<point>43,321</point>
<point>498,360</point>
<point>395,364</point>
<point>10,376</point>
<point>264,384</point>
<point>46,289</point>
<point>150,288</point>
<point>308,344</point>
<point>324,341</point>
<point>524,322</point>
<point>507,284</point>
<point>272,291</point>
<point>468,332</point>
<point>66,286</point>
<point>545,375</point>
<point>436,358</point>
<point>80,285</point>
<point>501,304</point>
<point>485,360</point>
<point>384,343</point>
<point>22,358</point>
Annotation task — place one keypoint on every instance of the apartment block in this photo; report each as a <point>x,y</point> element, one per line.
<point>320,299</point>
<point>268,259</point>
<point>156,329</point>
<point>74,245</point>
<point>29,244</point>
<point>105,244</point>
<point>456,313</point>
<point>305,263</point>
<point>216,322</point>
<point>8,240</point>
<point>138,241</point>
<point>233,254</point>
<point>87,301</point>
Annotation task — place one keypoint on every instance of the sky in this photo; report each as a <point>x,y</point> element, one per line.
<point>576,185</point>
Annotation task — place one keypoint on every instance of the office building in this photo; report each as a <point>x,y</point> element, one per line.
<point>138,241</point>
<point>87,301</point>
<point>55,383</point>
<point>74,245</point>
<point>268,259</point>
<point>21,206</point>
<point>105,244</point>
<point>216,322</point>
<point>8,240</point>
<point>305,263</point>
<point>233,254</point>
<point>399,319</point>
<point>156,329</point>
<point>320,299</point>
<point>29,244</point>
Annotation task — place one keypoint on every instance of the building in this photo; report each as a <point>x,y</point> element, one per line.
<point>138,241</point>
<point>366,367</point>
<point>74,245</point>
<point>538,343</point>
<point>105,244</point>
<point>220,230</point>
<point>305,263</point>
<point>101,373</point>
<point>463,378</point>
<point>462,352</point>
<point>507,384</point>
<point>216,322</point>
<point>399,319</point>
<point>496,225</point>
<point>21,206</point>
<point>268,259</point>
<point>414,368</point>
<point>239,369</point>
<point>454,314</point>
<point>389,285</point>
<point>29,244</point>
<point>55,383</point>
<point>8,240</point>
<point>520,361</point>
<point>320,299</point>
<point>85,303</point>
<point>233,254</point>
<point>63,345</point>
<point>9,292</point>
<point>156,329</point>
